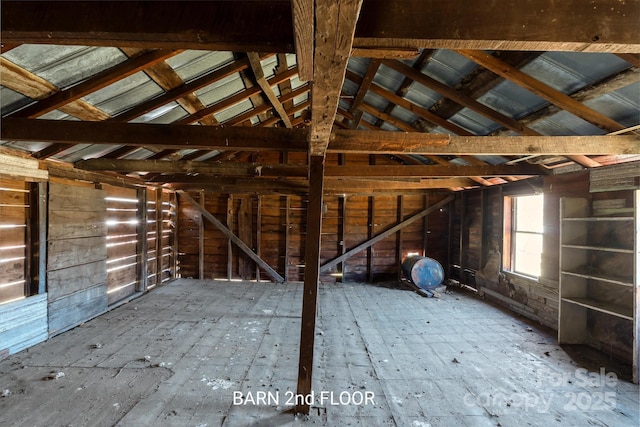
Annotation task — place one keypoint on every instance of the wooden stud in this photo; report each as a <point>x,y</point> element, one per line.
<point>201,232</point>
<point>159,229</point>
<point>227,232</point>
<point>311,278</point>
<point>142,247</point>
<point>328,265</point>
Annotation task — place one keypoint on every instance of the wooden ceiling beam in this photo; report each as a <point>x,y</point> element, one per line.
<point>372,69</point>
<point>303,16</point>
<point>180,91</point>
<point>267,90</point>
<point>543,90</point>
<point>251,26</point>
<point>244,95</point>
<point>368,142</point>
<point>29,84</point>
<point>154,135</point>
<point>283,170</point>
<point>459,97</point>
<point>236,25</point>
<point>94,83</point>
<point>535,25</point>
<point>335,27</point>
<point>280,139</point>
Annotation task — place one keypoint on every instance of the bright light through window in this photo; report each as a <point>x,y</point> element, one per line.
<point>523,245</point>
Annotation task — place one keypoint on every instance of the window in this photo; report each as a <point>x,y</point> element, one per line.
<point>523,234</point>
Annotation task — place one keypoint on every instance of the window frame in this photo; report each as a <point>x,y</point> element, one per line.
<point>510,231</point>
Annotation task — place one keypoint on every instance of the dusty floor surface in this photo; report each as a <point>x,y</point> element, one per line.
<point>206,353</point>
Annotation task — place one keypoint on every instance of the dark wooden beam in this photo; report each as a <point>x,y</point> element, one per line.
<point>372,69</point>
<point>256,66</point>
<point>303,28</point>
<point>240,26</point>
<point>311,278</point>
<point>191,167</point>
<point>335,26</point>
<point>235,239</point>
<point>383,235</point>
<point>261,26</point>
<point>536,25</point>
<point>350,141</point>
<point>153,135</point>
<point>282,170</point>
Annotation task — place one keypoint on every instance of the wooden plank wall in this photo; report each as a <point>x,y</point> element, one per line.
<point>23,323</point>
<point>280,233</point>
<point>122,242</point>
<point>14,213</point>
<point>77,255</point>
<point>477,225</point>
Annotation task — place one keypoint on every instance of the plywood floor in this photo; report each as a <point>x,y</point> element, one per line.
<point>178,355</point>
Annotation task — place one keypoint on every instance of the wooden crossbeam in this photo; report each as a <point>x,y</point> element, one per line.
<point>459,97</point>
<point>235,239</point>
<point>284,170</point>
<point>256,66</point>
<point>335,26</point>
<point>541,89</point>
<point>383,235</point>
<point>153,135</point>
<point>303,15</point>
<point>261,26</point>
<point>280,139</point>
<point>368,142</point>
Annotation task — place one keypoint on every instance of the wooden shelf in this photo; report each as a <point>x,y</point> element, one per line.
<point>613,310</point>
<point>599,248</point>
<point>609,279</point>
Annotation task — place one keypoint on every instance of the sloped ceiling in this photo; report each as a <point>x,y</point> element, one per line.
<point>451,94</point>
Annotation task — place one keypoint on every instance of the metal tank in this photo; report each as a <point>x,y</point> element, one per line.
<point>426,273</point>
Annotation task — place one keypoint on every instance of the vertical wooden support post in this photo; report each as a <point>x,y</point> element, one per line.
<point>450,255</point>
<point>31,239</point>
<point>229,243</point>
<point>483,231</point>
<point>342,206</point>
<point>342,236</point>
<point>245,233</point>
<point>258,235</point>
<point>399,236</point>
<point>287,236</point>
<point>311,276</point>
<point>371,217</point>
<point>142,248</point>
<point>463,239</point>
<point>42,236</point>
<point>174,244</point>
<point>370,234</point>
<point>425,228</point>
<point>36,238</point>
<point>159,218</point>
<point>201,240</point>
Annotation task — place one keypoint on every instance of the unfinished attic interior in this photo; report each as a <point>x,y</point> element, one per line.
<point>227,212</point>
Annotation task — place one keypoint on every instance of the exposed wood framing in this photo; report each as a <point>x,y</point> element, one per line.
<point>94,83</point>
<point>35,87</point>
<point>247,250</point>
<point>284,170</point>
<point>201,230</point>
<point>335,27</point>
<point>311,278</point>
<point>256,66</point>
<point>303,27</point>
<point>541,89</point>
<point>142,249</point>
<point>380,236</point>
<point>246,26</point>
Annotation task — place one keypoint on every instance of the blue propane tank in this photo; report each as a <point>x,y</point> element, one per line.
<point>425,273</point>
